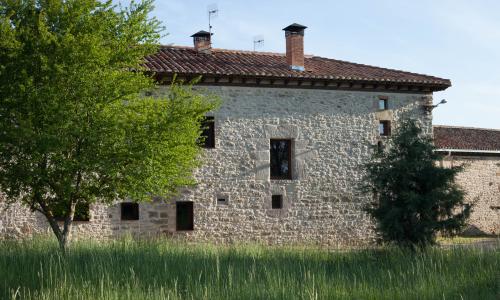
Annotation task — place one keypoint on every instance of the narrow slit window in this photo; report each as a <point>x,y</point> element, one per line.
<point>384,128</point>
<point>129,211</point>
<point>281,159</point>
<point>208,133</point>
<point>221,201</point>
<point>380,146</point>
<point>184,215</point>
<point>277,201</point>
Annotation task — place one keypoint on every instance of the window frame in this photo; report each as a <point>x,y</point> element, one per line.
<point>134,206</point>
<point>288,176</point>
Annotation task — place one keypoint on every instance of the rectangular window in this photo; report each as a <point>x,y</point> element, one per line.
<point>82,212</point>
<point>184,215</point>
<point>384,128</point>
<point>129,211</point>
<point>208,133</point>
<point>281,159</point>
<point>382,104</point>
<point>277,201</point>
<point>221,201</point>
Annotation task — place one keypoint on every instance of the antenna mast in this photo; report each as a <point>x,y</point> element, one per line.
<point>212,13</point>
<point>258,41</point>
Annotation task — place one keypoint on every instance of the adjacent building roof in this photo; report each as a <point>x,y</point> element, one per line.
<point>262,65</point>
<point>466,138</point>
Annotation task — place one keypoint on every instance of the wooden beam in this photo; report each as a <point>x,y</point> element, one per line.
<point>250,80</point>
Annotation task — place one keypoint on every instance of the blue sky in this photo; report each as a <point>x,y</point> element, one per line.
<point>454,39</point>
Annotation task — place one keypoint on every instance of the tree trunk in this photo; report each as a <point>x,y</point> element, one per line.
<point>68,225</point>
<point>56,229</point>
<point>63,236</point>
<point>64,241</point>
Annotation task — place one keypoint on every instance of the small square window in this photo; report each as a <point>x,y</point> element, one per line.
<point>129,211</point>
<point>384,128</point>
<point>208,133</point>
<point>383,104</point>
<point>221,201</point>
<point>277,201</point>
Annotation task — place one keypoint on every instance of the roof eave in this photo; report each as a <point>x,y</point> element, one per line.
<point>432,87</point>
<point>458,150</point>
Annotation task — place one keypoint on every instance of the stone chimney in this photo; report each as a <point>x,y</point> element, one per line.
<point>294,35</point>
<point>202,42</point>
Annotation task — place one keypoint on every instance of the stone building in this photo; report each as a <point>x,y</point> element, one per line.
<point>478,150</point>
<point>284,153</point>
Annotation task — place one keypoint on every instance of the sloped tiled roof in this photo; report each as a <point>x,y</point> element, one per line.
<point>466,138</point>
<point>187,61</point>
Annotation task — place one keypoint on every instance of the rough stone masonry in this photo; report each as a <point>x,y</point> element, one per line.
<point>333,133</point>
<point>481,182</point>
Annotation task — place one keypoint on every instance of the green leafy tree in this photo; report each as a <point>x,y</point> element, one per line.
<point>76,126</point>
<point>414,197</point>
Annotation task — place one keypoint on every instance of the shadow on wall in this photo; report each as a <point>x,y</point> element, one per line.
<point>473,230</point>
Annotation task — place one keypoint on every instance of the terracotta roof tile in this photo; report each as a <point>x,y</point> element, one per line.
<point>466,138</point>
<point>185,60</point>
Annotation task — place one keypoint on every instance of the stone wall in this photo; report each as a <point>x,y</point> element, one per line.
<point>332,134</point>
<point>481,182</point>
<point>105,222</point>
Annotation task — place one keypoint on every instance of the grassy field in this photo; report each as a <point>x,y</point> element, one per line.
<point>165,270</point>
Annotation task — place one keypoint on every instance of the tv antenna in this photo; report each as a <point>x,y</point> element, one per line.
<point>213,11</point>
<point>258,41</point>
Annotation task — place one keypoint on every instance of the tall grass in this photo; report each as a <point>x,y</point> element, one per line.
<point>162,269</point>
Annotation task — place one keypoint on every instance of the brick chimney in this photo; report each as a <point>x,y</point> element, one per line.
<point>294,35</point>
<point>202,42</point>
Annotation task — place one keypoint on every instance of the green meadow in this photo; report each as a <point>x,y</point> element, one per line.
<point>163,269</point>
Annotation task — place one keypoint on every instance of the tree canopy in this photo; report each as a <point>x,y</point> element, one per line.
<point>414,198</point>
<point>75,123</point>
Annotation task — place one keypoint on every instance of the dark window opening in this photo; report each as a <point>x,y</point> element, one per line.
<point>277,201</point>
<point>221,201</point>
<point>380,146</point>
<point>82,212</point>
<point>129,211</point>
<point>384,128</point>
<point>184,215</point>
<point>281,159</point>
<point>208,133</point>
<point>383,104</point>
